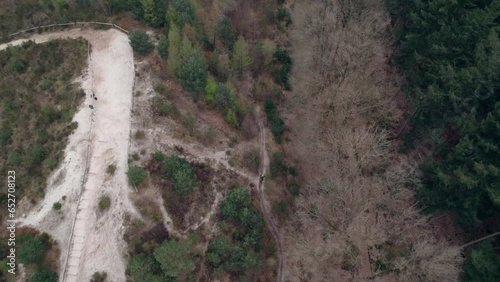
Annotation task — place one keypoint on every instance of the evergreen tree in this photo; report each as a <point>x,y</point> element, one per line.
<point>140,42</point>
<point>174,258</point>
<point>174,47</point>
<point>193,75</point>
<point>163,47</point>
<point>482,264</point>
<point>225,32</point>
<point>241,60</point>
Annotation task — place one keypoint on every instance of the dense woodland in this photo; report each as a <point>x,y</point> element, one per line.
<point>449,53</point>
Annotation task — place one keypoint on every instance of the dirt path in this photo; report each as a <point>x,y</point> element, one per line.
<point>90,241</point>
<point>264,205</point>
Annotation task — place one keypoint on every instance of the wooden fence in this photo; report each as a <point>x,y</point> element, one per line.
<point>69,24</point>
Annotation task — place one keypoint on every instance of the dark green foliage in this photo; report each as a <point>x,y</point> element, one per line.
<point>449,53</point>
<point>32,251</point>
<point>239,254</point>
<point>158,156</point>
<point>135,175</point>
<point>185,13</point>
<point>57,206</point>
<point>284,15</point>
<point>5,135</point>
<point>52,164</point>
<point>153,12</point>
<point>140,42</point>
<point>179,170</point>
<point>283,67</point>
<point>232,209</point>
<point>482,264</point>
<point>44,275</point>
<point>14,158</point>
<point>175,258</point>
<point>19,66</point>
<point>225,101</point>
<point>38,153</point>
<point>275,121</point>
<point>163,47</point>
<point>104,203</point>
<point>143,267</point>
<point>99,277</point>
<point>226,33</point>
<point>467,179</point>
<point>193,74</point>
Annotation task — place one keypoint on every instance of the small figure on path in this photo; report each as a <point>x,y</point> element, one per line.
<point>261,178</point>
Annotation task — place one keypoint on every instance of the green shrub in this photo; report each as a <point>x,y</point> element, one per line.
<point>135,175</point>
<point>210,90</point>
<point>104,203</point>
<point>57,206</point>
<point>45,84</point>
<point>52,164</point>
<point>37,153</point>
<point>276,122</point>
<point>225,32</point>
<point>14,158</point>
<point>175,258</point>
<point>44,275</point>
<point>283,68</point>
<point>5,135</point>
<point>163,47</point>
<point>140,42</point>
<point>99,277</point>
<point>179,170</point>
<point>32,251</point>
<point>143,268</point>
<point>158,156</point>
<point>193,74</point>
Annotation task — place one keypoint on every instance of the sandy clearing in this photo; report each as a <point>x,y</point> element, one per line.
<point>97,242</point>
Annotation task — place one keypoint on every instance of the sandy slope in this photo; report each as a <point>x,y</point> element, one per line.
<point>101,139</point>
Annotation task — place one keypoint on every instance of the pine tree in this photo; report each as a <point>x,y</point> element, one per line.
<point>241,60</point>
<point>163,47</point>
<point>193,74</point>
<point>174,47</point>
<point>140,42</point>
<point>225,32</point>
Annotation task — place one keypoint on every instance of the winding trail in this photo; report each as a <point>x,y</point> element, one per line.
<point>264,205</point>
<point>90,241</point>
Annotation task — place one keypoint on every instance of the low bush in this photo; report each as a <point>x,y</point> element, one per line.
<point>57,206</point>
<point>136,175</point>
<point>140,42</point>
<point>177,169</point>
<point>104,203</point>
